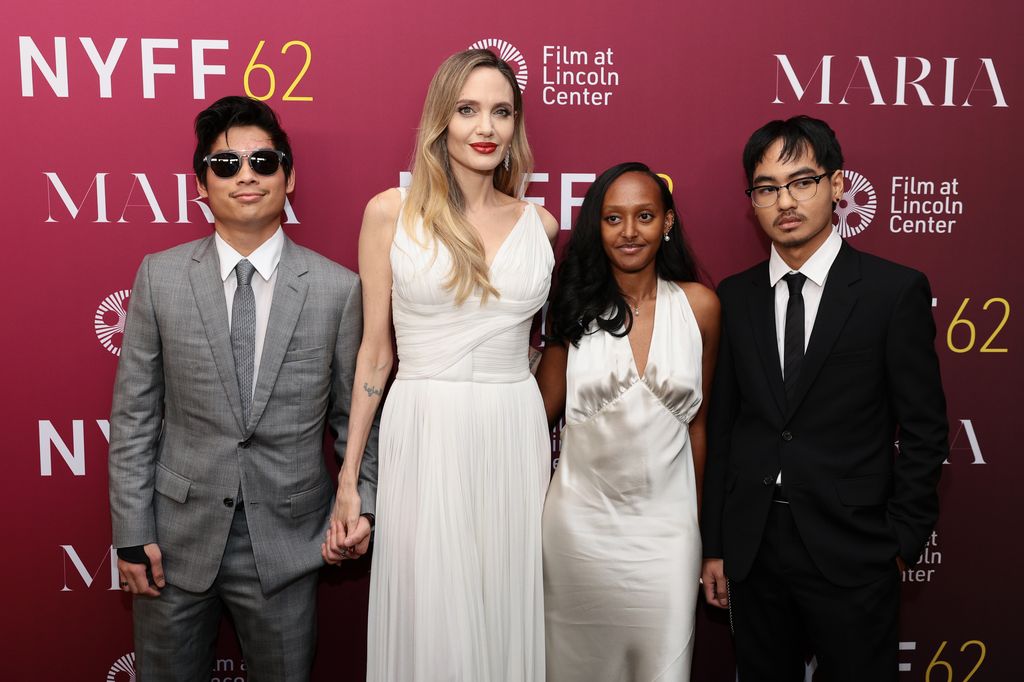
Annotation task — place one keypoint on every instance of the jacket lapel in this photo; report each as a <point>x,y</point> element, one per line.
<point>762,317</point>
<point>837,301</point>
<point>208,289</point>
<point>289,296</point>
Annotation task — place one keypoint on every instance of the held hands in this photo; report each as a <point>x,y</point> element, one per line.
<point>716,591</point>
<point>348,534</point>
<point>135,578</point>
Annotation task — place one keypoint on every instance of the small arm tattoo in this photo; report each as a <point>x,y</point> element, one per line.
<point>371,390</point>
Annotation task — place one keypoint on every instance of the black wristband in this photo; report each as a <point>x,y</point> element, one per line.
<point>133,555</point>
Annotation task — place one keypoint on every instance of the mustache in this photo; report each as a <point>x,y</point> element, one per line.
<point>789,215</point>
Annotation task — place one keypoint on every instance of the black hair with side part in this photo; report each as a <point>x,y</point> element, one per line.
<point>230,112</point>
<point>586,290</point>
<point>797,134</point>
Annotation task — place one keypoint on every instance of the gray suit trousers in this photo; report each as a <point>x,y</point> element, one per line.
<point>175,633</point>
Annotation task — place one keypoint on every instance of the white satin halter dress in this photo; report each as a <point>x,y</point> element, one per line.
<point>456,589</point>
<point>622,549</point>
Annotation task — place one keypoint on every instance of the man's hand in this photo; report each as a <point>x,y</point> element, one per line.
<point>712,575</point>
<point>133,576</point>
<point>352,547</point>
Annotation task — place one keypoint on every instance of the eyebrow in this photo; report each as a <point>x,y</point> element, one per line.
<point>473,102</point>
<point>262,148</point>
<point>799,173</point>
<point>649,206</point>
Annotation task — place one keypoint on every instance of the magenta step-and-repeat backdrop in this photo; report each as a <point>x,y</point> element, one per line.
<point>97,105</point>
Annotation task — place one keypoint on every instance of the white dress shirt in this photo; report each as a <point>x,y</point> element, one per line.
<point>265,260</point>
<point>816,269</point>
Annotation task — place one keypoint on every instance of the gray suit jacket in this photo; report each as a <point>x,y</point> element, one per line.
<point>178,448</point>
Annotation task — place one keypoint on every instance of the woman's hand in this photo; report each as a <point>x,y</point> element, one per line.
<point>348,533</point>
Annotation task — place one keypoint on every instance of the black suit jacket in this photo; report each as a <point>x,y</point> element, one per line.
<point>869,376</point>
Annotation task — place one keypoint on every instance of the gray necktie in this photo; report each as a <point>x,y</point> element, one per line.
<point>243,334</point>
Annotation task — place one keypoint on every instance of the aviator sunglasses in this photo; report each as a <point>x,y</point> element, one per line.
<point>227,164</point>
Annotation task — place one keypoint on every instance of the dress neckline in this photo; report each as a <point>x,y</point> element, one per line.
<point>508,237</point>
<point>660,294</point>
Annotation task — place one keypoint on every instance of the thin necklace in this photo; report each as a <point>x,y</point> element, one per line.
<point>635,303</point>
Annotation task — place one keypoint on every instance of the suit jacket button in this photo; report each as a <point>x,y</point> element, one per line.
<point>245,443</point>
<point>229,502</point>
<point>787,436</point>
<point>768,480</point>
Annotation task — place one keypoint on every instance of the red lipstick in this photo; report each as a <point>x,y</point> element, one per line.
<point>484,147</point>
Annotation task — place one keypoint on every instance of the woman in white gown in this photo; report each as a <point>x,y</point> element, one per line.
<point>632,340</point>
<point>462,265</point>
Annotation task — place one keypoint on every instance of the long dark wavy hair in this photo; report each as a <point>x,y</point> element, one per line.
<point>586,290</point>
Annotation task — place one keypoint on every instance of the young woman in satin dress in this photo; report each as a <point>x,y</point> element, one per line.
<point>632,339</point>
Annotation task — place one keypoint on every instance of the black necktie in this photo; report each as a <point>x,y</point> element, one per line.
<point>793,341</point>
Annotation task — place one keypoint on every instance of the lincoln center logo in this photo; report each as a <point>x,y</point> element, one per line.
<point>509,53</point>
<point>109,321</point>
<point>855,210</point>
<point>123,669</point>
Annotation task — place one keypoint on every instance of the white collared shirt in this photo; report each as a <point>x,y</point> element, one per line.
<point>265,259</point>
<point>816,269</point>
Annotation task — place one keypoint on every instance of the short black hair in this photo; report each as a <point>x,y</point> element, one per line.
<point>797,134</point>
<point>232,111</point>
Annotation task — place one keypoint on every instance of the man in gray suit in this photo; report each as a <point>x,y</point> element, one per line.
<point>237,349</point>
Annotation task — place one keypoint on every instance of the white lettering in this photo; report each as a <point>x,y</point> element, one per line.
<point>824,65</point>
<point>902,82</point>
<point>289,213</point>
<point>864,63</point>
<point>104,67</point>
<point>56,77</point>
<point>49,439</point>
<point>99,182</point>
<point>536,177</point>
<point>183,200</point>
<point>83,572</point>
<point>568,200</point>
<point>142,181</point>
<point>907,646</point>
<point>150,68</point>
<point>200,69</point>
<point>947,99</point>
<point>989,67</point>
<point>74,456</point>
<point>967,429</point>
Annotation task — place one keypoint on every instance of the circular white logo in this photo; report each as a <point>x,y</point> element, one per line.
<point>123,669</point>
<point>509,53</point>
<point>109,321</point>
<point>855,210</point>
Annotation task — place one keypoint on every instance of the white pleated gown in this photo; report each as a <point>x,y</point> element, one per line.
<point>456,588</point>
<point>622,549</point>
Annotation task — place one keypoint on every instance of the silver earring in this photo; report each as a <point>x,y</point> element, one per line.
<point>508,153</point>
<point>666,237</point>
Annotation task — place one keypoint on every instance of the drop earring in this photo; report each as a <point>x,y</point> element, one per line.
<point>508,154</point>
<point>666,237</point>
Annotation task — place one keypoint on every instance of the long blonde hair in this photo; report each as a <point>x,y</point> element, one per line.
<point>435,195</point>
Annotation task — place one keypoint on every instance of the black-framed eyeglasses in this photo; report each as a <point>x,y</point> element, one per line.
<point>226,164</point>
<point>801,189</point>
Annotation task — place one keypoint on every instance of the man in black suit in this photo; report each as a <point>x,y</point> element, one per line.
<point>827,358</point>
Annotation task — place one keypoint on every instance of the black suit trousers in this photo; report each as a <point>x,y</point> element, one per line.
<point>785,608</point>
